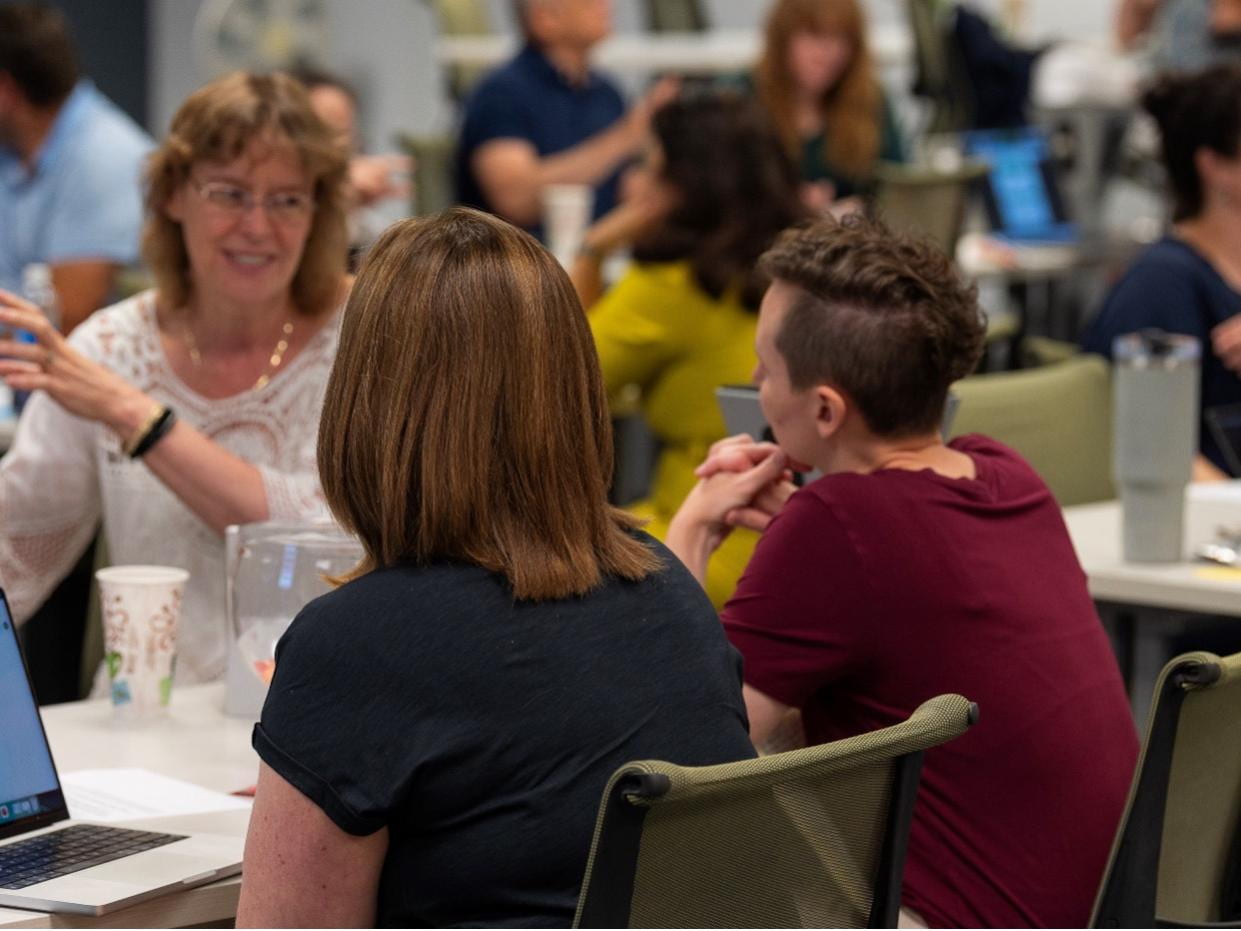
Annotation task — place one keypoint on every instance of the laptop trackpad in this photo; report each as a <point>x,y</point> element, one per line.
<point>173,863</point>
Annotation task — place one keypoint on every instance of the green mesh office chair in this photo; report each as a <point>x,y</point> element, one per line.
<point>810,838</point>
<point>926,201</point>
<point>463,18</point>
<point>1059,417</point>
<point>940,75</point>
<point>432,189</point>
<point>675,16</point>
<point>1176,861</point>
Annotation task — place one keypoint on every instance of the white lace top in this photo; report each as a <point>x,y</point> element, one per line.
<point>63,473</point>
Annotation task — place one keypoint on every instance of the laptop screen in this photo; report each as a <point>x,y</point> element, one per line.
<point>29,788</point>
<point>1022,199</point>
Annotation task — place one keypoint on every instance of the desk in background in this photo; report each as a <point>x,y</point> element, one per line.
<point>718,51</point>
<point>1147,603</point>
<point>197,743</point>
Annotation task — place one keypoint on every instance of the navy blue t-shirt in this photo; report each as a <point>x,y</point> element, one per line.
<point>481,731</point>
<point>1172,287</point>
<point>529,99</point>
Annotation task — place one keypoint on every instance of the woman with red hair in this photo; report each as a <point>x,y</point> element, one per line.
<point>816,80</point>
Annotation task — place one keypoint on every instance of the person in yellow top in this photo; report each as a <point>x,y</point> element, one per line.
<point>714,189</point>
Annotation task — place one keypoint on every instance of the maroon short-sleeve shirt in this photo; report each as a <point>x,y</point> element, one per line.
<point>870,594</point>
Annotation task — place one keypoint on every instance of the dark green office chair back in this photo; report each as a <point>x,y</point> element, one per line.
<point>1176,860</point>
<point>808,838</point>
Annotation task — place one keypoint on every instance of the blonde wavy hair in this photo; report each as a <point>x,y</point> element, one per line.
<point>851,109</point>
<point>216,124</point>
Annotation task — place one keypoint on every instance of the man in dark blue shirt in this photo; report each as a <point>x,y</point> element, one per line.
<point>547,118</point>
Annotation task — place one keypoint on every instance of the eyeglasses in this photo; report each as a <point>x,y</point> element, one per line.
<point>284,207</point>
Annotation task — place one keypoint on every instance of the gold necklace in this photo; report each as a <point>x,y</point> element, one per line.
<point>273,363</point>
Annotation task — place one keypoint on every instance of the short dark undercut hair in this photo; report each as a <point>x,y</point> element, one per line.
<point>883,317</point>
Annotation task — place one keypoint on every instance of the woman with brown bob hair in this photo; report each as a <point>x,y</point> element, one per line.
<point>440,728</point>
<point>816,80</point>
<point>194,405</point>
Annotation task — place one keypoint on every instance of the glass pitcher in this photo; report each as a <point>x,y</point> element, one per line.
<point>272,570</point>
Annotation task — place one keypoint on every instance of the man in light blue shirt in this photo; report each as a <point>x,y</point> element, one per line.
<point>70,167</point>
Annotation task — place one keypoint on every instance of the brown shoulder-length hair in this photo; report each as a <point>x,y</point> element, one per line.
<point>216,124</point>
<point>466,417</point>
<point>852,109</point>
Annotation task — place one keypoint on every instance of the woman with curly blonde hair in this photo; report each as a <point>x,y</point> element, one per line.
<point>193,405</point>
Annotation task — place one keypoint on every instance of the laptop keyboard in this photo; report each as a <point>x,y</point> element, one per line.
<point>73,848</point>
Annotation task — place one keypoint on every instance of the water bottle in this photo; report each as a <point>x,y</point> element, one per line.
<point>1156,437</point>
<point>37,288</point>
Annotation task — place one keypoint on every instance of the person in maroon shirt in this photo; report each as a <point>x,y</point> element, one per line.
<point>914,568</point>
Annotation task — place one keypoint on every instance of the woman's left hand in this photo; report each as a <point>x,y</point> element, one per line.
<point>50,364</point>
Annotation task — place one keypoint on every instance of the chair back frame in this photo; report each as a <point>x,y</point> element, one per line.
<point>613,867</point>
<point>1128,894</point>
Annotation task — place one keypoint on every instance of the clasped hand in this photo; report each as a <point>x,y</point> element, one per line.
<point>741,483</point>
<point>79,385</point>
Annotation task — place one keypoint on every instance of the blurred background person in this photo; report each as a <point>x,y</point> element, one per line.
<point>1190,280</point>
<point>818,83</point>
<point>495,624</point>
<point>195,405</point>
<point>714,190</point>
<point>70,167</point>
<point>1180,35</point>
<point>373,179</point>
<point>547,118</point>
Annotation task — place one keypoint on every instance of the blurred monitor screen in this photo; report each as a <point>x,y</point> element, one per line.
<point>1023,199</point>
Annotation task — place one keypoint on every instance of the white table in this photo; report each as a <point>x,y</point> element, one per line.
<point>196,743</point>
<point>1182,586</point>
<point>717,51</point>
<point>1156,597</point>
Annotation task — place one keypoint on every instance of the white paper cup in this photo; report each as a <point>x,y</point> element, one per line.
<point>566,214</point>
<point>141,611</point>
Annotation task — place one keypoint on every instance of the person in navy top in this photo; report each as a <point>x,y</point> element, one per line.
<point>547,118</point>
<point>1190,281</point>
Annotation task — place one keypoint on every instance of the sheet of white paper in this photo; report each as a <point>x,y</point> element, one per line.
<point>129,794</point>
<point>1220,492</point>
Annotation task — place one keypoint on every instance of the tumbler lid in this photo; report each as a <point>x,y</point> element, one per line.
<point>1155,348</point>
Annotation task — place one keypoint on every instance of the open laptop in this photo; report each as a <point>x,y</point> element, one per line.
<point>52,864</point>
<point>1023,198</point>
